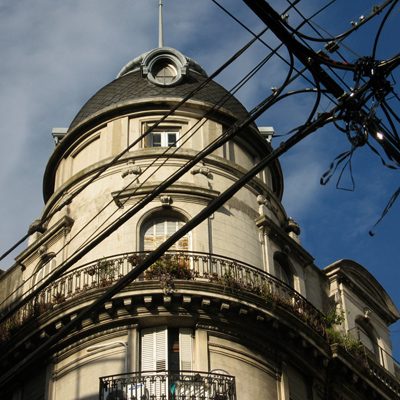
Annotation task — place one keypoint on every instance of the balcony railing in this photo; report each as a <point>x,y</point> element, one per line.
<point>236,278</point>
<point>164,385</point>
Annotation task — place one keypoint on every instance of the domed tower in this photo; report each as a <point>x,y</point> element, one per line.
<point>231,311</point>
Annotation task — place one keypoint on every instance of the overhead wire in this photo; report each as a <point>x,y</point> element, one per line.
<point>375,11</point>
<point>300,72</point>
<point>116,158</point>
<point>148,131</point>
<point>381,27</point>
<point>55,272</point>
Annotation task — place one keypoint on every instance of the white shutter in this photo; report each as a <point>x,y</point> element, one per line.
<point>154,358</point>
<point>161,348</point>
<point>154,349</point>
<point>147,359</point>
<point>185,349</point>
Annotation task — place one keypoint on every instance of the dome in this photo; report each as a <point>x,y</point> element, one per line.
<point>154,82</point>
<point>160,73</point>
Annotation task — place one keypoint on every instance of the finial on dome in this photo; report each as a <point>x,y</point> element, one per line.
<point>160,27</point>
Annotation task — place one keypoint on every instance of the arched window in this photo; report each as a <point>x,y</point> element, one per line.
<point>366,335</point>
<point>283,269</point>
<point>281,273</point>
<point>158,230</point>
<point>44,269</point>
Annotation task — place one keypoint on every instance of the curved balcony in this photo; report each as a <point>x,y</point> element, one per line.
<point>234,276</point>
<point>165,385</point>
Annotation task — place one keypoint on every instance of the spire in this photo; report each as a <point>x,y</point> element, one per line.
<point>160,22</point>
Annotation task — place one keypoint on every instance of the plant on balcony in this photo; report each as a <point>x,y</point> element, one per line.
<point>229,281</point>
<point>105,270</point>
<point>16,322</point>
<point>167,269</point>
<point>352,345</point>
<point>58,298</point>
<point>134,259</point>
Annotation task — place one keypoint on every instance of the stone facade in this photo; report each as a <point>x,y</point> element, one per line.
<point>237,309</point>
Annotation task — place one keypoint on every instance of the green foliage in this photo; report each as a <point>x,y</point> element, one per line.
<point>336,317</point>
<point>352,345</point>
<point>105,270</point>
<point>167,269</point>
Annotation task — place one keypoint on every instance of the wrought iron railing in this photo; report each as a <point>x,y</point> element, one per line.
<point>164,385</point>
<point>378,354</point>
<point>236,278</point>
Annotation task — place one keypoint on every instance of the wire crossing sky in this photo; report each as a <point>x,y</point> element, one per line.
<point>56,56</point>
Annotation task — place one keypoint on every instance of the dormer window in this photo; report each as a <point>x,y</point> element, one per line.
<point>164,73</point>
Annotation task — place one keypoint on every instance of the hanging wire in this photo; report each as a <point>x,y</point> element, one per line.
<point>115,159</point>
<point>147,198</point>
<point>229,134</point>
<point>375,11</point>
<point>381,27</point>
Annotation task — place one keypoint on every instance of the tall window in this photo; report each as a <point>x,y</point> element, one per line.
<point>365,334</point>
<point>43,271</point>
<point>280,273</point>
<point>166,349</point>
<point>158,230</point>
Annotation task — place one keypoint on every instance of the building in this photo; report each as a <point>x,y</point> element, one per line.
<point>236,309</point>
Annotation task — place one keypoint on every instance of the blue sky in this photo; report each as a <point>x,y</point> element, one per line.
<point>56,55</point>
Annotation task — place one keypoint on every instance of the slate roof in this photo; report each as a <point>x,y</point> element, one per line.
<point>133,86</point>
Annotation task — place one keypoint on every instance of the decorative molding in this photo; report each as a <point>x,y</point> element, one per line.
<point>131,169</point>
<point>166,201</point>
<point>277,235</point>
<point>47,238</point>
<point>187,192</point>
<point>203,170</point>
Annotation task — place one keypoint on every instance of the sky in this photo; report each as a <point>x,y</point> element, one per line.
<point>55,55</point>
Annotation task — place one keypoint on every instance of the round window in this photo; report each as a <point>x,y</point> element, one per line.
<point>164,74</point>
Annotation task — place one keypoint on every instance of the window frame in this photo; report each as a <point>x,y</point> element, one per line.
<point>151,224</point>
<point>48,263</point>
<point>178,128</point>
<point>155,341</point>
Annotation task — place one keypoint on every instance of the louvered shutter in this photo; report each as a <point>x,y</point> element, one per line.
<point>185,349</point>
<point>154,358</point>
<point>154,349</point>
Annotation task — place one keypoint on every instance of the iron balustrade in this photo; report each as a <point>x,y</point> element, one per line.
<point>235,276</point>
<point>167,385</point>
<point>378,353</point>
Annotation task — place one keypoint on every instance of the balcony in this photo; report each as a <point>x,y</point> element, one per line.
<point>164,385</point>
<point>235,277</point>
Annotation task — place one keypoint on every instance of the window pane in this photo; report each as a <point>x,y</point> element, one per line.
<point>171,139</point>
<point>159,230</point>
<point>156,139</point>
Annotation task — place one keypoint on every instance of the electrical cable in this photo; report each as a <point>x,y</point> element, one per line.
<point>262,41</point>
<point>115,159</point>
<point>44,349</point>
<point>141,204</point>
<point>381,27</point>
<point>375,11</point>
